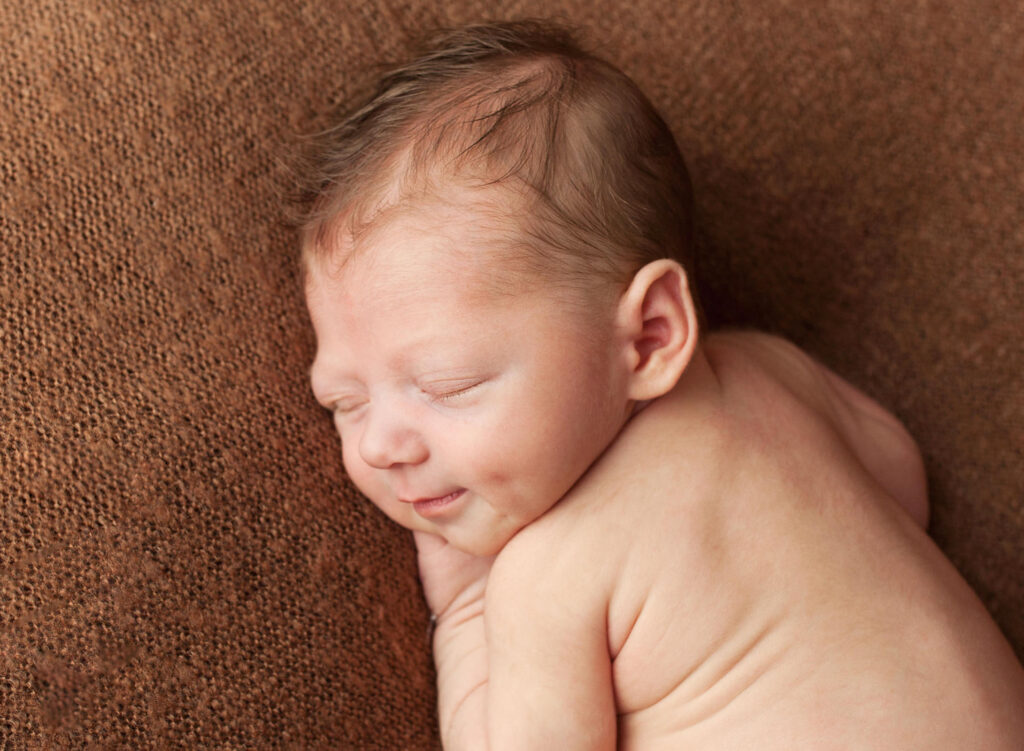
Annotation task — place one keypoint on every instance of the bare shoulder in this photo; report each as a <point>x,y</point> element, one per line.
<point>555,558</point>
<point>550,679</point>
<point>877,438</point>
<point>780,358</point>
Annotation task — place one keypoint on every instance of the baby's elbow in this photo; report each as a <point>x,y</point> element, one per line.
<point>916,490</point>
<point>904,474</point>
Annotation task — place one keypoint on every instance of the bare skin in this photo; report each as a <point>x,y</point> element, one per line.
<point>740,564</point>
<point>765,583</point>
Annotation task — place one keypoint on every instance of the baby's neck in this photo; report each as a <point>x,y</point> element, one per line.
<point>637,406</point>
<point>698,384</point>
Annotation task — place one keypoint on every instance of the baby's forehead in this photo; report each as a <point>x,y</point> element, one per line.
<point>464,237</point>
<point>448,224</point>
<point>447,208</point>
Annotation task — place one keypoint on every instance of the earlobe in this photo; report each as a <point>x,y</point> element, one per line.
<point>658,325</point>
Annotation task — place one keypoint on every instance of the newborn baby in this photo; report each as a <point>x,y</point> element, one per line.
<point>632,535</point>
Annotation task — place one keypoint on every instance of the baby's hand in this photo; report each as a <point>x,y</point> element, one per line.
<point>452,580</point>
<point>454,583</point>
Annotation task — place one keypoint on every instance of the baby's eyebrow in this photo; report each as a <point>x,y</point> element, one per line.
<point>327,375</point>
<point>311,374</point>
<point>317,384</point>
<point>324,368</point>
<point>317,394</point>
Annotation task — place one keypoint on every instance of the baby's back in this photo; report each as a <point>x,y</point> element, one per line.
<point>769,587</point>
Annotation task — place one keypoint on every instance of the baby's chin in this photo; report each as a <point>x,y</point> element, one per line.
<point>481,548</point>
<point>476,542</point>
<point>471,543</point>
<point>476,534</point>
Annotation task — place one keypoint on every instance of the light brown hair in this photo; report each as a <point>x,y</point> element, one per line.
<point>600,186</point>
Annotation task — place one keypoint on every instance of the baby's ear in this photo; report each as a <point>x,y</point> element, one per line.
<point>656,321</point>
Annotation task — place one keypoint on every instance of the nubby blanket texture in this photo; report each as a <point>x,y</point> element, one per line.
<point>183,563</point>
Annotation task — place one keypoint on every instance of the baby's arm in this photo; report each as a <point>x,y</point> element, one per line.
<point>882,444</point>
<point>541,675</point>
<point>878,440</point>
<point>454,584</point>
<point>460,656</point>
<point>551,679</point>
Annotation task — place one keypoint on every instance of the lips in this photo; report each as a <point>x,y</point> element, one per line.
<point>429,507</point>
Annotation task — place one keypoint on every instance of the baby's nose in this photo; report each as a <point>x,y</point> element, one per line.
<point>387,441</point>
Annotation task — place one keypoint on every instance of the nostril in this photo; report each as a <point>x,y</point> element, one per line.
<point>384,446</point>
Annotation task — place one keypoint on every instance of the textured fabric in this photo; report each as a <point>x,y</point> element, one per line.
<point>182,561</point>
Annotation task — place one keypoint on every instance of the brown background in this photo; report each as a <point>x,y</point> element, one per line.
<point>182,564</point>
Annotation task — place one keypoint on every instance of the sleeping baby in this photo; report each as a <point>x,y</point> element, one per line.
<point>632,534</point>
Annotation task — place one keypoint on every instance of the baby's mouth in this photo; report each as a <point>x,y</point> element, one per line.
<point>428,507</point>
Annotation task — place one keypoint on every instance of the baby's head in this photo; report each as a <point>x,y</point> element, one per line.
<point>495,263</point>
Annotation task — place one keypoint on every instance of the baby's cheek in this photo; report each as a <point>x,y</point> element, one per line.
<point>360,474</point>
<point>377,494</point>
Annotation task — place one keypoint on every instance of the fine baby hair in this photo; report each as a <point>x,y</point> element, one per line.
<point>582,160</point>
<point>630,536</point>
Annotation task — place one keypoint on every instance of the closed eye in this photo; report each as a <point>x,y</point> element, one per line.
<point>451,394</point>
<point>345,406</point>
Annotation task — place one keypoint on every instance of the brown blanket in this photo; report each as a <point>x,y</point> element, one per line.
<point>182,563</point>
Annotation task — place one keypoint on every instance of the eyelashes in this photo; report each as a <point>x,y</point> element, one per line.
<point>346,406</point>
<point>438,392</point>
<point>453,394</point>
